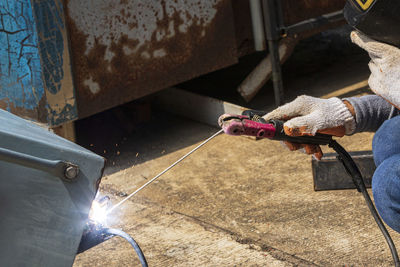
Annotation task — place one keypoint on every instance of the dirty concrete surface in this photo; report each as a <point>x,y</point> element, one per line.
<point>237,201</point>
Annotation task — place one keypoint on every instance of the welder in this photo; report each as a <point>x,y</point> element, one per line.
<point>377,24</point>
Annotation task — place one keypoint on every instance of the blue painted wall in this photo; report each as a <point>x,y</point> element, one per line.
<point>20,67</point>
<point>56,68</point>
<point>51,44</point>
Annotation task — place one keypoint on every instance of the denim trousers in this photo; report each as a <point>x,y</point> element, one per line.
<point>386,179</point>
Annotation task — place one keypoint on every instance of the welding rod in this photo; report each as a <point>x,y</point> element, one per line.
<point>164,171</point>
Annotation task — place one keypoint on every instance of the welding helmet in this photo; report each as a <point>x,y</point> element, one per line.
<point>378,19</point>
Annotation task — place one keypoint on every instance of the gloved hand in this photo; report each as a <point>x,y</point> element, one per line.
<point>307,115</point>
<point>384,65</point>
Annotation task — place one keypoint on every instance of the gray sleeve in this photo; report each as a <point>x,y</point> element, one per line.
<point>371,111</point>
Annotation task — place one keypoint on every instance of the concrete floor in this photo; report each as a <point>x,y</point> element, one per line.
<point>237,201</point>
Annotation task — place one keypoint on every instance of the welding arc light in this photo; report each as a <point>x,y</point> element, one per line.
<point>98,211</point>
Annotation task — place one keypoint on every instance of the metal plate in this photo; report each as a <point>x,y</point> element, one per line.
<point>123,50</point>
<point>329,173</point>
<point>42,217</point>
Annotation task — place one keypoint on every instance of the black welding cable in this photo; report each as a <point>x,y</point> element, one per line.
<point>355,173</point>
<point>139,252</point>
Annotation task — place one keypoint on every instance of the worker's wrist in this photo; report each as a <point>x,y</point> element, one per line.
<point>350,125</point>
<point>350,108</point>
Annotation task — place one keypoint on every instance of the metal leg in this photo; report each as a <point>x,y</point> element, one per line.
<point>271,20</point>
<point>273,46</point>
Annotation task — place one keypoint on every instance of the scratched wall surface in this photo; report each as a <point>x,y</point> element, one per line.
<point>56,68</point>
<point>35,69</point>
<point>126,49</point>
<point>21,87</point>
<point>51,44</point>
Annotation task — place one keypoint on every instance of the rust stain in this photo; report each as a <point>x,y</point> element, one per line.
<point>39,113</point>
<point>243,27</point>
<point>127,69</point>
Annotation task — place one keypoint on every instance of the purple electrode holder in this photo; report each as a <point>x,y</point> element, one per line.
<point>241,125</point>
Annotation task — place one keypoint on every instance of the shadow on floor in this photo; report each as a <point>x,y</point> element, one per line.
<point>124,146</point>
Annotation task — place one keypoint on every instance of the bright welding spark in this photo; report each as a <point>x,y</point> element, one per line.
<point>98,212</point>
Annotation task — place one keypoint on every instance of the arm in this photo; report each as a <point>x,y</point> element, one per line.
<point>370,112</point>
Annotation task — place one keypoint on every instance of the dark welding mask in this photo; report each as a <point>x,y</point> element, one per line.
<point>378,19</point>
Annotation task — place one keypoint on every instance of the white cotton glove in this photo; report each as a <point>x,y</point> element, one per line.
<point>307,115</point>
<point>384,65</point>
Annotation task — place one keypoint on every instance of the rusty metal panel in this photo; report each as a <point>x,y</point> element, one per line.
<point>298,10</point>
<point>123,50</point>
<point>243,27</point>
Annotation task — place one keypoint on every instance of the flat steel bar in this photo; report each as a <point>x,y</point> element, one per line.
<point>55,167</point>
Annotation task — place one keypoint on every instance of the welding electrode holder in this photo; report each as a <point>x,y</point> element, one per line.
<point>318,139</point>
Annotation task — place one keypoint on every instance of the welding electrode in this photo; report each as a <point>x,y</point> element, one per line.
<point>164,171</point>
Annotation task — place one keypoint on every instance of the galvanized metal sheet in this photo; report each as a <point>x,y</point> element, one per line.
<point>123,50</point>
<point>42,217</point>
